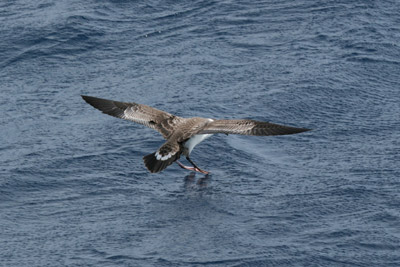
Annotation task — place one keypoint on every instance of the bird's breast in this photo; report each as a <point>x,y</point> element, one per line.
<point>195,140</point>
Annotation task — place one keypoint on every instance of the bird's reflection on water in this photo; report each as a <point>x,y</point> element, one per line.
<point>191,183</point>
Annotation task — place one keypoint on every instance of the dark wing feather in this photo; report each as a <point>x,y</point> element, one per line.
<point>249,127</point>
<point>148,116</point>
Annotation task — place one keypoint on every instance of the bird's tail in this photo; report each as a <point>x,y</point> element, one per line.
<point>156,165</point>
<point>163,157</point>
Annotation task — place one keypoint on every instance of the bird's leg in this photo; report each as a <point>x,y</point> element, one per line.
<point>185,167</point>
<point>195,166</point>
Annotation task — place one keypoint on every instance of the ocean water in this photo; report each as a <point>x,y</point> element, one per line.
<point>73,187</point>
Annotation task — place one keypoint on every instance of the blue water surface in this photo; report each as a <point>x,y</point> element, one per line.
<point>73,187</point>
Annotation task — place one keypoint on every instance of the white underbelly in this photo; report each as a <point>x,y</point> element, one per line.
<point>195,140</point>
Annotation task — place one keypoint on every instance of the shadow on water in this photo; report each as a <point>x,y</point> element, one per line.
<point>190,182</point>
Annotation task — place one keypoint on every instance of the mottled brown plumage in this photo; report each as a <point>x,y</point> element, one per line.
<point>183,134</point>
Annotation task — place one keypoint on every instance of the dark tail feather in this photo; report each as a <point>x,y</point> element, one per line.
<point>154,165</point>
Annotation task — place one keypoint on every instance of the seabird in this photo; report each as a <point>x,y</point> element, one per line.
<point>183,134</point>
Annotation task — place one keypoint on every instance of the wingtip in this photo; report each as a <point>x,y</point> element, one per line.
<point>294,130</point>
<point>302,130</point>
<point>86,98</point>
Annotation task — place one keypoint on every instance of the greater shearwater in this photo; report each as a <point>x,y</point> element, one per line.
<point>183,134</point>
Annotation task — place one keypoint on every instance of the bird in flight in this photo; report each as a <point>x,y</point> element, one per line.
<point>183,134</point>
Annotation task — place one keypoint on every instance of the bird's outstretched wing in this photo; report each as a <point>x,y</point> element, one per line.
<point>156,119</point>
<point>249,127</point>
